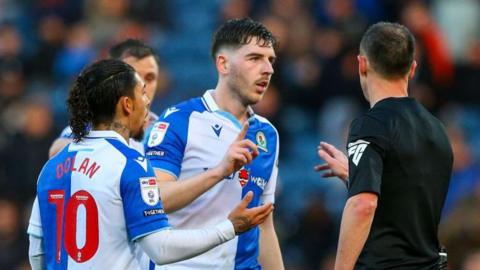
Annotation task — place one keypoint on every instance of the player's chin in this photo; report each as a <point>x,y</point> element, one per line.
<point>138,135</point>
<point>254,98</point>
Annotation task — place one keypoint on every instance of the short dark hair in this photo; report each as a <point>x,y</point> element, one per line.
<point>131,47</point>
<point>237,32</point>
<point>95,94</point>
<point>390,49</point>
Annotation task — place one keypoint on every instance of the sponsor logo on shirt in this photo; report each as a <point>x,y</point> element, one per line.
<point>259,181</point>
<point>157,134</point>
<point>243,176</point>
<point>356,150</point>
<point>149,190</point>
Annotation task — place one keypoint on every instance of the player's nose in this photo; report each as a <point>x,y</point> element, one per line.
<point>267,68</point>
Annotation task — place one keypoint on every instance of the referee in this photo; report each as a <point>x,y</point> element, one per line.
<point>399,164</point>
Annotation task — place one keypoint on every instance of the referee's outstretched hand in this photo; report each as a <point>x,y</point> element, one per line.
<point>336,163</point>
<point>241,152</point>
<point>243,218</point>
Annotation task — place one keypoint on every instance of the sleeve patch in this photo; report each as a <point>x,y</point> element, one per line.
<point>150,191</point>
<point>157,134</point>
<point>356,149</point>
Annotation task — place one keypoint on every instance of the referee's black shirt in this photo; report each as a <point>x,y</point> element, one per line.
<point>401,152</point>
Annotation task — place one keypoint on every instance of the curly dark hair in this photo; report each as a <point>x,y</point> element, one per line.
<point>237,32</point>
<point>95,94</point>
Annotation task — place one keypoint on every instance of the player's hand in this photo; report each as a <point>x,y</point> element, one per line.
<point>241,152</point>
<point>336,163</point>
<point>244,218</point>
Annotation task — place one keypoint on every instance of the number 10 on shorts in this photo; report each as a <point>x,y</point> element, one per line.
<point>81,197</point>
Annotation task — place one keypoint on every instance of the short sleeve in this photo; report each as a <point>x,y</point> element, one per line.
<point>35,223</point>
<point>143,209</point>
<point>268,195</point>
<point>165,141</point>
<point>366,148</point>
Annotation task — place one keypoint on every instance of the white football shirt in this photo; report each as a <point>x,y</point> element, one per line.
<point>94,199</point>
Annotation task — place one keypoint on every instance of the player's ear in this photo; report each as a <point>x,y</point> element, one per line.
<point>413,68</point>
<point>362,65</point>
<point>126,105</point>
<point>221,62</point>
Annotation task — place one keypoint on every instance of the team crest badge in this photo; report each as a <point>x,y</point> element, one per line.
<point>261,141</point>
<point>157,134</point>
<point>149,190</point>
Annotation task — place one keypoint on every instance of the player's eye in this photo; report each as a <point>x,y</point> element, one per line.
<point>150,78</point>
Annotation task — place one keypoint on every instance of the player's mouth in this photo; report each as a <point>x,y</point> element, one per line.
<point>261,86</point>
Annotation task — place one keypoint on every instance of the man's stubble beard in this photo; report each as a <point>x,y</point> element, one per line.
<point>237,84</point>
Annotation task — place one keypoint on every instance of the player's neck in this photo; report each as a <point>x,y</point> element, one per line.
<point>228,101</point>
<point>380,88</point>
<point>116,126</point>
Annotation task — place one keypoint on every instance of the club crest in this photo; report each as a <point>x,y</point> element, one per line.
<point>261,141</point>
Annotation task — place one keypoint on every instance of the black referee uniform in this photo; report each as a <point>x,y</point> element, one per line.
<point>401,152</point>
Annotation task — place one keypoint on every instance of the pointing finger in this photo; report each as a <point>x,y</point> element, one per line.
<point>243,132</point>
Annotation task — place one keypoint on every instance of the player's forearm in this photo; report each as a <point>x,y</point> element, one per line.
<point>356,223</point>
<point>270,256</point>
<point>170,246</point>
<point>178,194</point>
<point>36,253</point>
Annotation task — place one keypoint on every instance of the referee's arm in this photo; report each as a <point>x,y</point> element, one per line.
<point>356,223</point>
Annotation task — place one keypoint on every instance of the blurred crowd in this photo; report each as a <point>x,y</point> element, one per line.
<point>314,95</point>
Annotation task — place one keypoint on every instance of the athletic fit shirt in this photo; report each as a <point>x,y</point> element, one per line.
<point>400,152</point>
<point>193,137</point>
<point>94,199</point>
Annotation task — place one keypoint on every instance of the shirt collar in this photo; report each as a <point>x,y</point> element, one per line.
<point>212,106</point>
<point>105,134</point>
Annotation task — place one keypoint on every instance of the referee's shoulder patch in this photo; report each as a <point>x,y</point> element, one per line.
<point>356,150</point>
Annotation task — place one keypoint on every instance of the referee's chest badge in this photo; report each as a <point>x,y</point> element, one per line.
<point>261,141</point>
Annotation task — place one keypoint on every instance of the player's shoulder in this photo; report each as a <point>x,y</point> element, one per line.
<point>135,163</point>
<point>183,109</point>
<point>374,123</point>
<point>263,123</point>
<point>123,149</point>
<point>266,135</point>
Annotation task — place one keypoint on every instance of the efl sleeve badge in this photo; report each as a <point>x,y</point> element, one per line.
<point>157,134</point>
<point>149,190</point>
